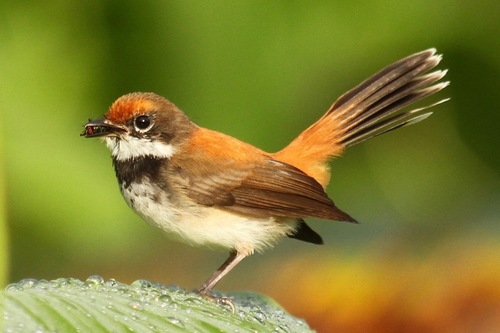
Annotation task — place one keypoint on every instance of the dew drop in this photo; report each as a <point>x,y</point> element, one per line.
<point>176,322</point>
<point>94,280</point>
<point>136,306</point>
<point>13,287</point>
<point>259,315</point>
<point>28,283</point>
<point>164,298</point>
<point>282,329</point>
<point>141,284</point>
<point>111,283</point>
<point>193,300</point>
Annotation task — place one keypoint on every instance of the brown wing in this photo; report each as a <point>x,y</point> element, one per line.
<point>238,177</point>
<point>279,189</point>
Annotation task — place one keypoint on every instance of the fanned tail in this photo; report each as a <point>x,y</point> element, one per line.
<point>368,110</point>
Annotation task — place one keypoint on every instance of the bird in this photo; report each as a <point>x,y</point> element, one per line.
<point>206,188</point>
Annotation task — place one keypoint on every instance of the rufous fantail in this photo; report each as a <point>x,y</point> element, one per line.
<point>207,188</point>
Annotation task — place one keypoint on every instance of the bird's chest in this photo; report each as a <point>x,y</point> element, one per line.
<point>146,190</point>
<point>152,203</point>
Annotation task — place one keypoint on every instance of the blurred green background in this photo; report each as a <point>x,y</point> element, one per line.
<point>426,254</point>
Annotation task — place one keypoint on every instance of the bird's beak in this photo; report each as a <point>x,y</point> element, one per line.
<point>102,127</point>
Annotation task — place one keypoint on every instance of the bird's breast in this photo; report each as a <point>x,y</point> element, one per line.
<point>151,202</point>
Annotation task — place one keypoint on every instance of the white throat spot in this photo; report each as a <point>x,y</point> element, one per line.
<point>131,147</point>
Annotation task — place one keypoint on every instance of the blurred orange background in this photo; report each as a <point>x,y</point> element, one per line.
<point>426,256</point>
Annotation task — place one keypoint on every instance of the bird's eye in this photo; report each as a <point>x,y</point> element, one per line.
<point>143,123</point>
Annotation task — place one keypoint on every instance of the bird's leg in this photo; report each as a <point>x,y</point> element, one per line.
<point>234,258</point>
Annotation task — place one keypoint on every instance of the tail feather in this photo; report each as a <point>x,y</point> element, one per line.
<point>383,113</point>
<point>368,110</point>
<point>368,131</point>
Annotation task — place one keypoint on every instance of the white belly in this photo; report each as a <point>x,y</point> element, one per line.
<point>203,225</point>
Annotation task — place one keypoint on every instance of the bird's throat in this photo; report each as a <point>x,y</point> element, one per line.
<point>129,147</point>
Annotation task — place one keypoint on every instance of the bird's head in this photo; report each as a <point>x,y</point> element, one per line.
<point>139,125</point>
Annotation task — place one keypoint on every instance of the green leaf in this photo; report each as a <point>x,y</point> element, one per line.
<point>95,305</point>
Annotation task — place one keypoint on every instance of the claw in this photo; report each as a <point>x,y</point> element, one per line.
<point>219,300</point>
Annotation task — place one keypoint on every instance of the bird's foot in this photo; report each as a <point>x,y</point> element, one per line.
<point>216,299</point>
